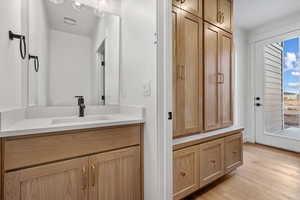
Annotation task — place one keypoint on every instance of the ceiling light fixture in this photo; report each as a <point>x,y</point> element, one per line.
<point>57,1</point>
<point>76,5</point>
<point>70,21</point>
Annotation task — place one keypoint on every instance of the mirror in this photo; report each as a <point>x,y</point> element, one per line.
<point>74,49</point>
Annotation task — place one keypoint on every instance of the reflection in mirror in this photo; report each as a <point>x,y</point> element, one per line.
<point>78,51</point>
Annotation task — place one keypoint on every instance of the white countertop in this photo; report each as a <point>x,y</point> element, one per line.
<point>205,135</point>
<point>48,124</point>
<point>44,125</point>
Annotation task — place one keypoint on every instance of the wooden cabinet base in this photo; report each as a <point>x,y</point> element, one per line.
<point>95,164</point>
<point>204,161</point>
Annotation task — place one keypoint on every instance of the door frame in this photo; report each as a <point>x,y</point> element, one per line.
<point>255,43</point>
<point>164,184</point>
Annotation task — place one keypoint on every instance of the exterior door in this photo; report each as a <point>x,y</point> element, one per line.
<point>188,74</point>
<point>268,99</point>
<point>66,180</point>
<point>116,175</point>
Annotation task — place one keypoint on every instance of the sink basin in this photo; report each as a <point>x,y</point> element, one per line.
<point>81,119</point>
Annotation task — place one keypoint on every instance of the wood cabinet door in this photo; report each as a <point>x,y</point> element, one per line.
<point>67,180</point>
<point>193,6</point>
<point>211,11</point>
<point>211,87</point>
<point>233,152</point>
<point>178,83</point>
<point>189,76</point>
<point>225,72</point>
<point>177,3</point>
<point>211,161</point>
<point>219,13</point>
<point>185,172</point>
<point>116,175</point>
<point>226,15</point>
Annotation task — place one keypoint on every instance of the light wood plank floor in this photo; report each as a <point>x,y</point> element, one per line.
<point>267,174</point>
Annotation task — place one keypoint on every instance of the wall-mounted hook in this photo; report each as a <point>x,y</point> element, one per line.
<point>36,62</point>
<point>22,45</point>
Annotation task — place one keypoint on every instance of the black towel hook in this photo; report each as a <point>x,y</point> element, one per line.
<point>22,45</point>
<point>36,62</point>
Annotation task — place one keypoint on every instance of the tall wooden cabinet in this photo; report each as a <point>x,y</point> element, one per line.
<point>217,78</point>
<point>202,66</point>
<point>187,73</point>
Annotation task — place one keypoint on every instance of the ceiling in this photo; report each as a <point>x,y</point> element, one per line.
<point>253,13</point>
<point>86,19</point>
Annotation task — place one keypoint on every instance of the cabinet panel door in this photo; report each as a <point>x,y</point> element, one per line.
<point>211,161</point>
<point>66,180</point>
<point>211,9</point>
<point>185,172</point>
<point>233,152</point>
<point>189,76</point>
<point>177,3</point>
<point>211,91</point>
<point>225,70</point>
<point>226,10</point>
<point>193,6</point>
<point>192,75</point>
<point>116,175</point>
<point>178,83</point>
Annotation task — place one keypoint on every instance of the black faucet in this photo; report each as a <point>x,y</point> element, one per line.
<point>81,105</point>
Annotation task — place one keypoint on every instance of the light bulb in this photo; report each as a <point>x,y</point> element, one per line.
<point>57,1</point>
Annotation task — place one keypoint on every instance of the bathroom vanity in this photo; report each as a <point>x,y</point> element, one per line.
<point>100,157</point>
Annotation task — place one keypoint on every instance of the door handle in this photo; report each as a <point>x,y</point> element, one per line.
<point>84,178</point>
<point>93,168</point>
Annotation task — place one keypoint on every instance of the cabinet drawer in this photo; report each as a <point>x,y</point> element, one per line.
<point>25,152</point>
<point>185,172</point>
<point>233,152</point>
<point>211,161</point>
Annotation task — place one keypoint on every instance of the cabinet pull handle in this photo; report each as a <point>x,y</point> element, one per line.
<point>182,72</point>
<point>182,173</point>
<point>220,78</point>
<point>84,178</point>
<point>219,17</point>
<point>93,175</point>
<point>222,18</point>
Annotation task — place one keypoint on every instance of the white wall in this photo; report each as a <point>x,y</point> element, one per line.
<point>241,76</point>
<point>39,46</point>
<point>138,67</point>
<point>108,29</point>
<point>69,68</point>
<point>10,60</point>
